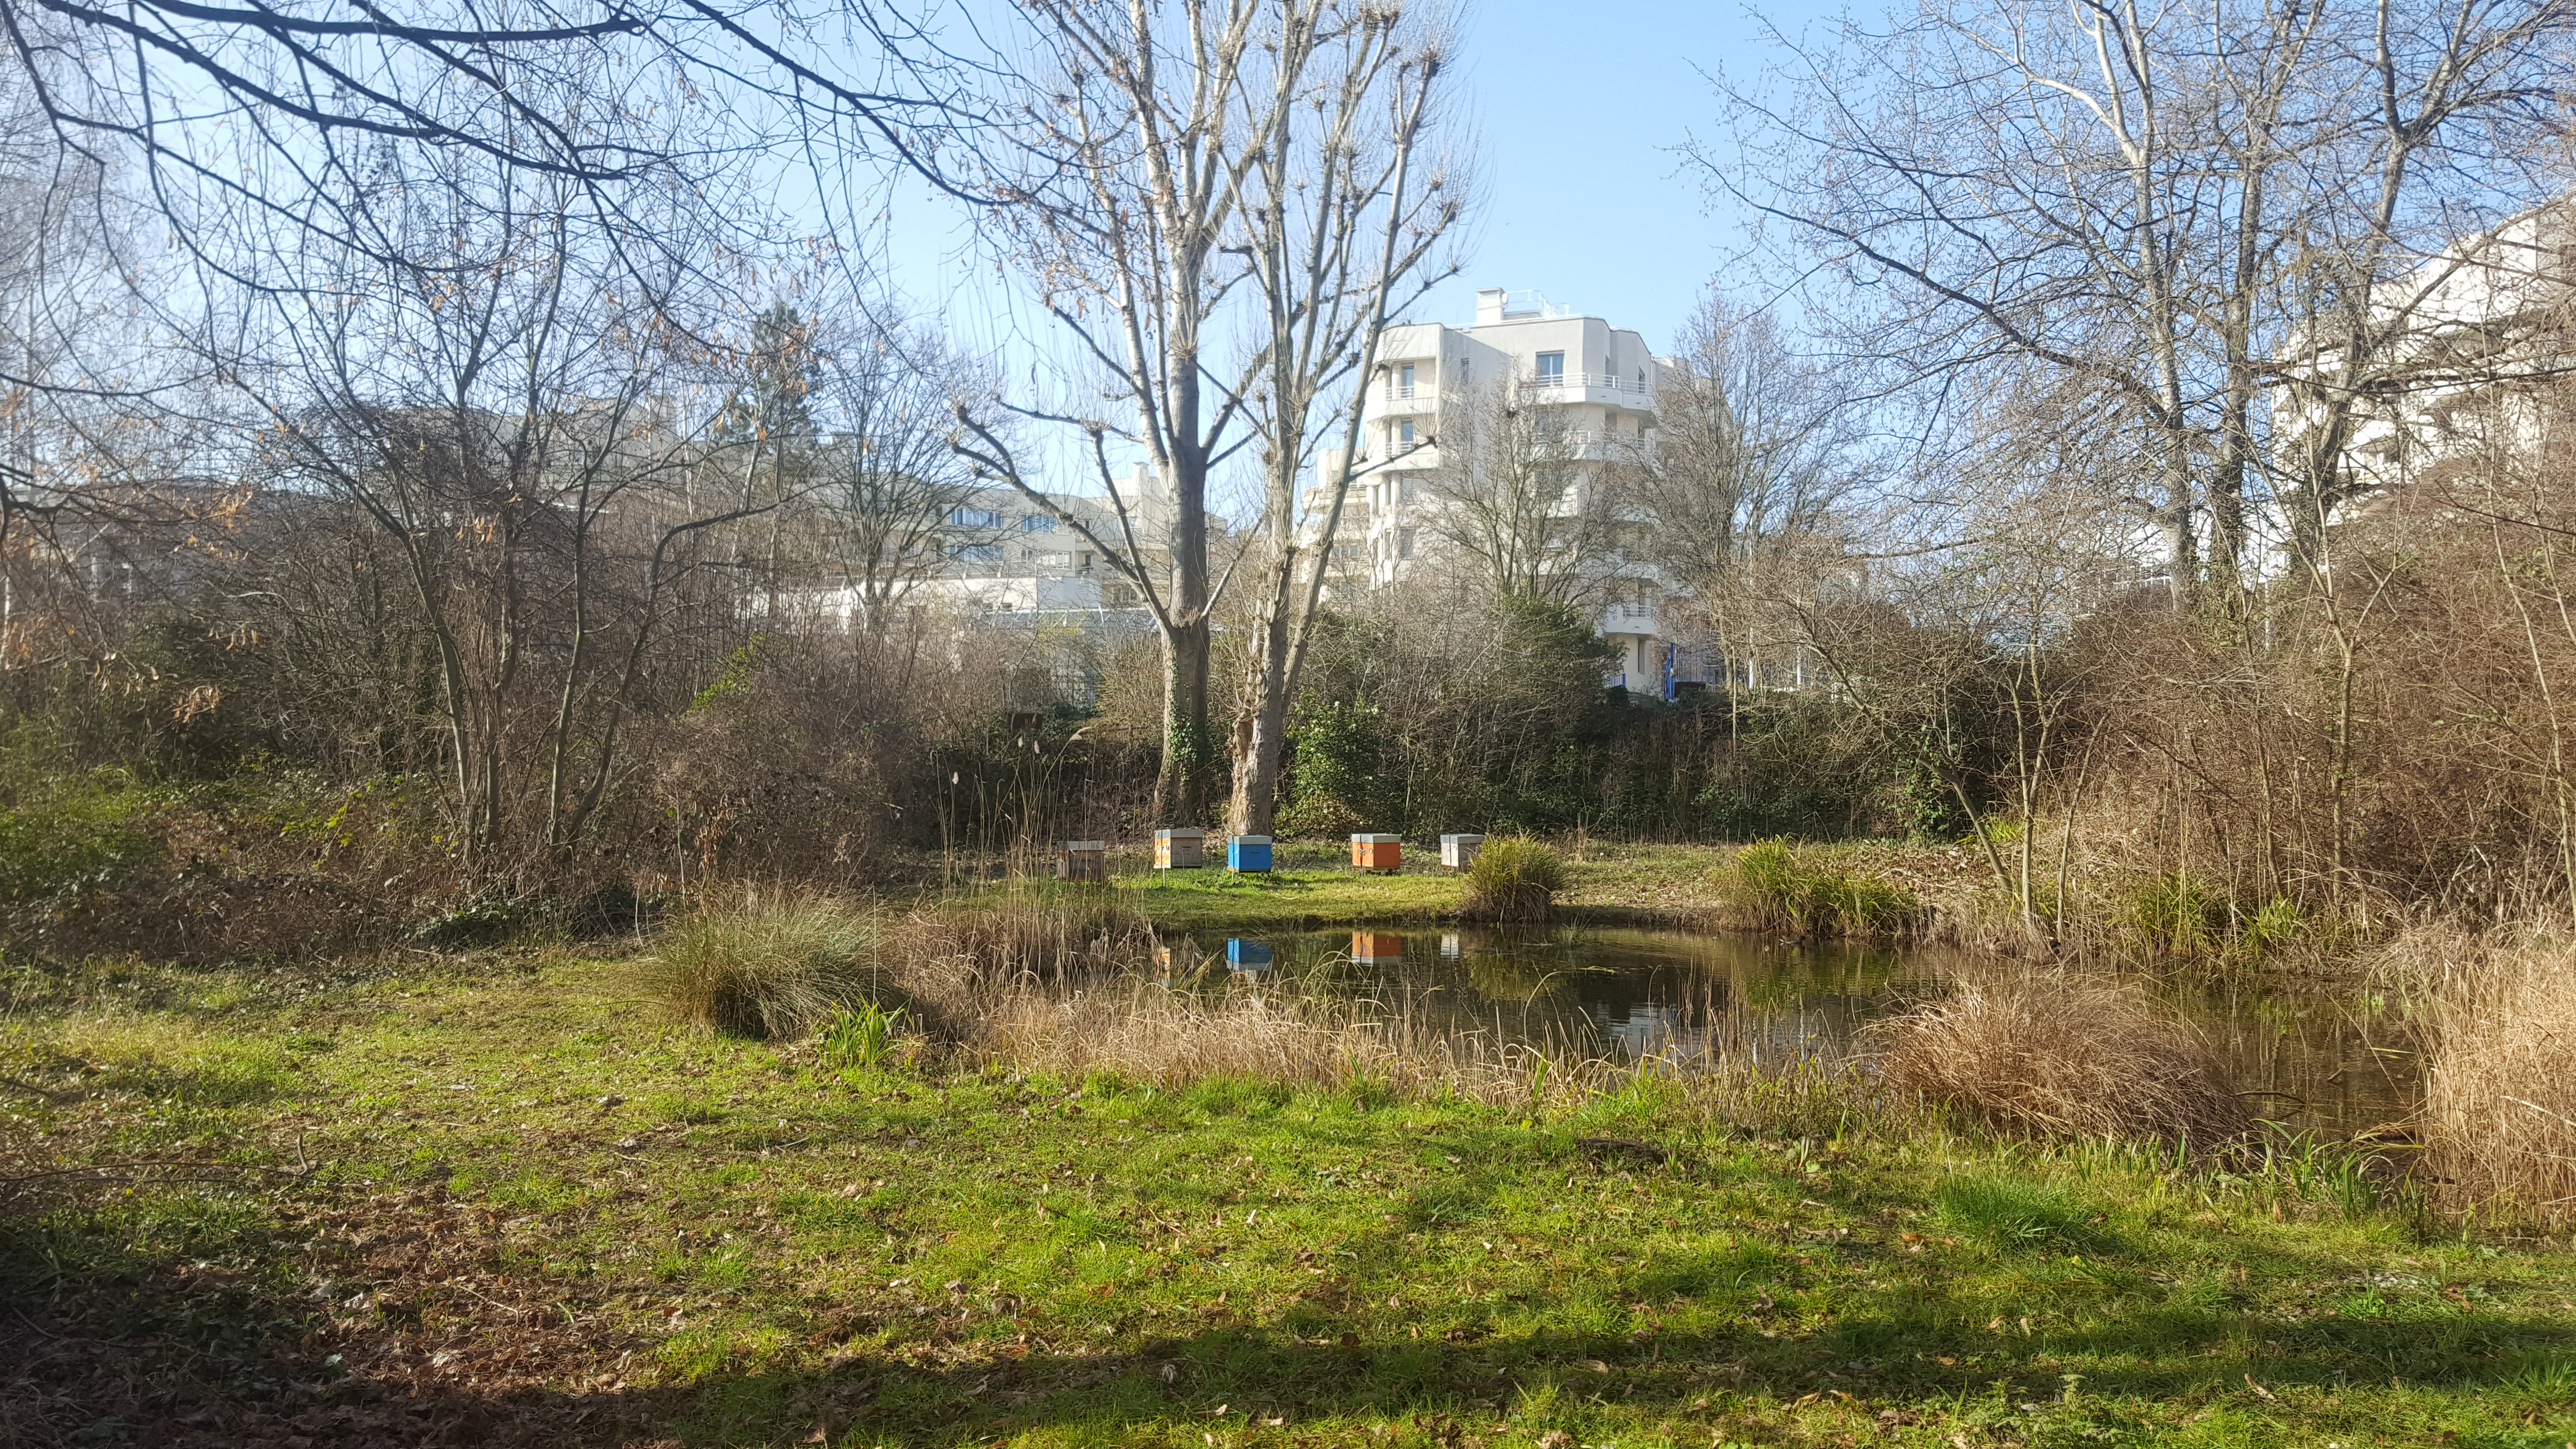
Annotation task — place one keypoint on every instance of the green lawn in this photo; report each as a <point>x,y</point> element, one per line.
<point>505,1203</point>
<point>1315,887</point>
<point>1291,899</point>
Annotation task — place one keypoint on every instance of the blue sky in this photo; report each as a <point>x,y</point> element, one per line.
<point>1577,109</point>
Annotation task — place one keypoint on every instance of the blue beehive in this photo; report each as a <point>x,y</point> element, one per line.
<point>1247,852</point>
<point>1249,954</point>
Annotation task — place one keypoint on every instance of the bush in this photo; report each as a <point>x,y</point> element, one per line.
<point>768,966</point>
<point>1513,879</point>
<point>1777,889</point>
<point>2055,1054</point>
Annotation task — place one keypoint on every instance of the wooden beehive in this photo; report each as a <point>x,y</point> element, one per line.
<point>1459,851</point>
<point>1247,852</point>
<point>1083,860</point>
<point>1381,853</point>
<point>1183,849</point>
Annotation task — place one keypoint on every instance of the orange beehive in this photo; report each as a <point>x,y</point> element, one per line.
<point>1381,853</point>
<point>1376,946</point>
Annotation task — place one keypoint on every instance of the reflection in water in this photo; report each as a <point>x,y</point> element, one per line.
<point>2312,1061</point>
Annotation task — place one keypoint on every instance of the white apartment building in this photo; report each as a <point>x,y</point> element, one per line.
<point>1001,554</point>
<point>1603,380</point>
<point>2484,333</point>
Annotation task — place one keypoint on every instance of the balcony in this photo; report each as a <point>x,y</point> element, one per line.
<point>1603,443</point>
<point>1422,397</point>
<point>1592,387</point>
<point>1628,619</point>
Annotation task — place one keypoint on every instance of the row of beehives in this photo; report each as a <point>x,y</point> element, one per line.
<point>1186,849</point>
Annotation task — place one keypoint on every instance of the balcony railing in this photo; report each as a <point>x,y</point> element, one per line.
<point>1588,381</point>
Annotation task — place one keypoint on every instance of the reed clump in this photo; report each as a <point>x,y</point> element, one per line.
<point>1774,885</point>
<point>1512,879</point>
<point>2055,1053</point>
<point>761,963</point>
<point>2500,1099</point>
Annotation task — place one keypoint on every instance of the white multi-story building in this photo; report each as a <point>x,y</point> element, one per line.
<point>996,552</point>
<point>1599,384</point>
<point>2481,341</point>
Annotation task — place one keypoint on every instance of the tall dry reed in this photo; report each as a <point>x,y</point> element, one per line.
<point>2500,1099</point>
<point>2057,1053</point>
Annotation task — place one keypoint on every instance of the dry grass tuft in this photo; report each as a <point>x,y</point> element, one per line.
<point>763,964</point>
<point>2500,1100</point>
<point>2054,1053</point>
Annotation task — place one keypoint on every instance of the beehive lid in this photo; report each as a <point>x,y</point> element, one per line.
<point>1250,839</point>
<point>1082,845</point>
<point>1460,839</point>
<point>1377,840</point>
<point>1183,833</point>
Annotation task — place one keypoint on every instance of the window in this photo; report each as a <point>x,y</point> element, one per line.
<point>1406,488</point>
<point>1404,543</point>
<point>1462,372</point>
<point>1641,379</point>
<point>964,517</point>
<point>1551,369</point>
<point>1404,380</point>
<point>1039,523</point>
<point>1404,430</point>
<point>975,552</point>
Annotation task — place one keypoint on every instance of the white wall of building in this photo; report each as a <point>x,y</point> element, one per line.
<point>1604,378</point>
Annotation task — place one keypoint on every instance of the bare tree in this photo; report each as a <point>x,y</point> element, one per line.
<point>1137,146</point>
<point>886,481</point>
<point>1344,214</point>
<point>1754,451</point>
<point>495,404</point>
<point>2140,200</point>
<point>1531,505</point>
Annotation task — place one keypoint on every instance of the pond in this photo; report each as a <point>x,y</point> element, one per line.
<point>2324,1062</point>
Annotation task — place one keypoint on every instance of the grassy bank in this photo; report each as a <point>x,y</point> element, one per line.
<point>511,1204</point>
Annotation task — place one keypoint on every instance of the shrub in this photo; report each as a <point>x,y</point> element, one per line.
<point>2500,1102</point>
<point>1775,888</point>
<point>2057,1054</point>
<point>1513,879</point>
<point>766,966</point>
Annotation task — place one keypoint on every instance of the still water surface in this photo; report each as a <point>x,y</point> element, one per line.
<point>2325,1062</point>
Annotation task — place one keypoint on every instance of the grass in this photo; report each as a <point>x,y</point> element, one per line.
<point>504,1204</point>
<point>2057,1052</point>
<point>1512,879</point>
<point>2500,1103</point>
<point>1812,891</point>
<point>1293,899</point>
<point>766,964</point>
